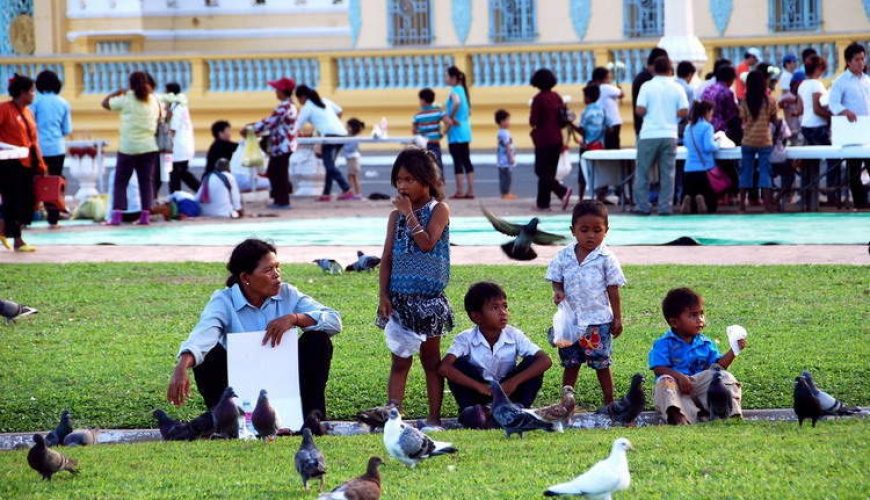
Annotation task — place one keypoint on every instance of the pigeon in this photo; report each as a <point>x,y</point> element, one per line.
<point>408,444</point>
<point>513,419</point>
<point>63,428</point>
<point>719,400</point>
<point>313,423</point>
<point>375,417</point>
<point>264,418</point>
<point>177,430</point>
<point>81,437</point>
<point>561,411</point>
<point>46,461</point>
<point>330,266</point>
<point>225,415</point>
<point>805,403</point>
<point>365,487</point>
<point>626,409</point>
<point>603,479</point>
<point>521,247</point>
<point>475,417</point>
<point>309,460</point>
<point>363,263</point>
<point>830,405</point>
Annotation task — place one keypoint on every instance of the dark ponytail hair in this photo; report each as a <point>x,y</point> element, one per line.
<point>18,85</point>
<point>245,258</point>
<point>756,92</point>
<point>311,95</point>
<point>421,164</point>
<point>139,83</point>
<point>457,73</point>
<point>700,110</point>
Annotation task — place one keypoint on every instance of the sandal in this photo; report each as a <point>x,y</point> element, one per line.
<point>457,196</point>
<point>25,248</point>
<point>5,243</point>
<point>468,197</point>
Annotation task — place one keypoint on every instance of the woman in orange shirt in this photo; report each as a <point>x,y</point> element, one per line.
<point>18,128</point>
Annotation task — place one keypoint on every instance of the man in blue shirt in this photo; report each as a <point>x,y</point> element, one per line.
<point>681,360</point>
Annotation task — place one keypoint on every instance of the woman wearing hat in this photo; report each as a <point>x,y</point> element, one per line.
<point>282,141</point>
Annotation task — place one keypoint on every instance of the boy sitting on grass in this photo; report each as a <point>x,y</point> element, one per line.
<point>682,360</point>
<point>489,351</point>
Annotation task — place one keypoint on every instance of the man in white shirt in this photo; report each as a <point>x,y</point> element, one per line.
<point>789,63</point>
<point>661,102</point>
<point>850,97</point>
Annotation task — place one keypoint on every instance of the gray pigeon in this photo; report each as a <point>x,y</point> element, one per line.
<point>829,404</point>
<point>521,247</point>
<point>225,415</point>
<point>330,266</point>
<point>60,432</point>
<point>363,263</point>
<point>513,419</point>
<point>626,409</point>
<point>309,460</point>
<point>81,437</point>
<point>46,461</point>
<point>264,417</point>
<point>719,400</point>
<point>408,444</point>
<point>365,487</point>
<point>375,417</point>
<point>805,404</point>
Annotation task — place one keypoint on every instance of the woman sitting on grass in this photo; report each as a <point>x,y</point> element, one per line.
<point>256,299</point>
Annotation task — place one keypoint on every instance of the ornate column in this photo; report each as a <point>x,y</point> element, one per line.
<point>680,40</point>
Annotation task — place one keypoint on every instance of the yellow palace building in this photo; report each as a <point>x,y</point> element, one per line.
<point>372,56</point>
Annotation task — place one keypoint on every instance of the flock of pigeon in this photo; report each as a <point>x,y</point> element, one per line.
<point>410,446</point>
<point>363,263</point>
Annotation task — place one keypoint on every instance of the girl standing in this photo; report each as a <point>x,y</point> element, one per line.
<point>459,132</point>
<point>415,270</point>
<point>698,138</point>
<point>757,111</point>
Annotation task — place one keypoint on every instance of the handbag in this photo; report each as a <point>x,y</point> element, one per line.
<point>718,179</point>
<point>163,134</point>
<point>50,190</point>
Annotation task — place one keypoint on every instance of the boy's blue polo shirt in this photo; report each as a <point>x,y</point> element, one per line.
<point>672,352</point>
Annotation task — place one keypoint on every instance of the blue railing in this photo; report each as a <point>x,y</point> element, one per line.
<point>409,22</point>
<point>105,77</point>
<point>31,70</point>
<point>113,47</point>
<point>643,18</point>
<point>773,54</point>
<point>794,15</point>
<point>233,75</point>
<point>393,71</point>
<point>497,70</point>
<point>634,61</point>
<point>512,20</point>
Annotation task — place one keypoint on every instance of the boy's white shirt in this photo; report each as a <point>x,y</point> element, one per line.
<point>498,361</point>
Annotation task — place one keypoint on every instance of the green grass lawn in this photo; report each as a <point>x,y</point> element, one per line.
<point>717,460</point>
<point>104,342</point>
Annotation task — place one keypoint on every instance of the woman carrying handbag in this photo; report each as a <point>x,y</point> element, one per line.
<point>18,128</point>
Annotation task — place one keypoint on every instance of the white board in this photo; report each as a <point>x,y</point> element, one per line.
<point>846,133</point>
<point>252,366</point>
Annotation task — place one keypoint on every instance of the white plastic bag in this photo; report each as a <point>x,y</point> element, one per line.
<point>563,168</point>
<point>735,333</point>
<point>564,327</point>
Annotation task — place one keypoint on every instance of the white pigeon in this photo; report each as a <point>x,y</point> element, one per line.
<point>408,445</point>
<point>604,478</point>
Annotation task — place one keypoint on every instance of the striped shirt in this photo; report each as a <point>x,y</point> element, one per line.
<point>280,125</point>
<point>428,123</point>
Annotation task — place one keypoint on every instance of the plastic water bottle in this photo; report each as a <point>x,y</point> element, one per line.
<point>247,431</point>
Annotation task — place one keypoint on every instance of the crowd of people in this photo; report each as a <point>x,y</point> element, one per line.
<point>754,105</point>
